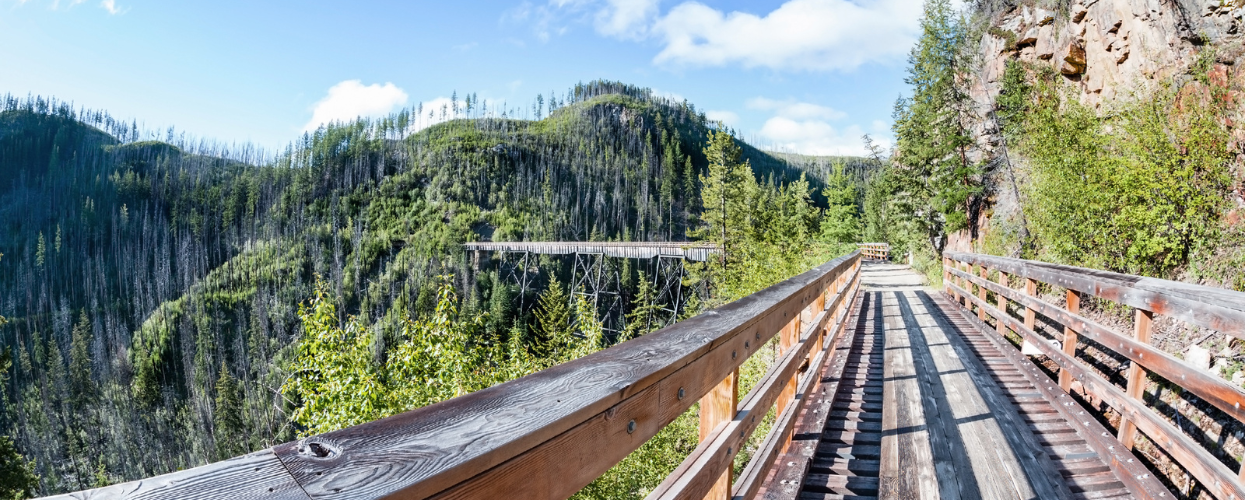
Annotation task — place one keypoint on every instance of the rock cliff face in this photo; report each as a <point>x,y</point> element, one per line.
<point>1104,49</point>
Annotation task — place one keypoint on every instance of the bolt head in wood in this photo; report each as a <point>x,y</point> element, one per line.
<point>681,393</point>
<point>631,427</point>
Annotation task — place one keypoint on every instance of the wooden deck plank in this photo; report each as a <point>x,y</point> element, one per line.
<point>907,460</point>
<point>1004,450</point>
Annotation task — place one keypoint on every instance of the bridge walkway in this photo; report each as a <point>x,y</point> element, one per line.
<point>921,404</point>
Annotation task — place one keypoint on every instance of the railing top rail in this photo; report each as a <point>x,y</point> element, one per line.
<point>1213,308</point>
<point>592,410</point>
<point>1209,307</point>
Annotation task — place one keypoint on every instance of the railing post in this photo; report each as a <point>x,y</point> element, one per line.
<point>717,407</point>
<point>968,285</point>
<point>1030,314</point>
<point>946,274</point>
<point>1002,304</point>
<point>1069,340</point>
<point>788,337</point>
<point>1136,376</point>
<point>981,293</point>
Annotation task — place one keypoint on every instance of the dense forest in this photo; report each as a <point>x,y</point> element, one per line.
<point>164,300</point>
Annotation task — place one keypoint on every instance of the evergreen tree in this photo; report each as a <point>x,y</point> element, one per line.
<point>645,315</point>
<point>725,196</point>
<point>40,251</point>
<point>937,180</point>
<point>17,476</point>
<point>841,221</point>
<point>553,318</point>
<point>227,416</point>
<point>82,389</point>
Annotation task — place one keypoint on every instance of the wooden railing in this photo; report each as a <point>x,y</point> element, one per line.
<point>966,278</point>
<point>549,434</point>
<point>875,251</point>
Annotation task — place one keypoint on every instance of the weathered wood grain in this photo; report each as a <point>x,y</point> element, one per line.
<point>716,410</point>
<point>907,462</point>
<point>1069,338</point>
<point>715,454</point>
<point>1214,390</point>
<point>949,452</point>
<point>483,437</point>
<point>1034,465</point>
<point>253,476</point>
<point>1201,464</point>
<point>1136,374</point>
<point>757,474</point>
<point>1208,307</point>
<point>1140,483</point>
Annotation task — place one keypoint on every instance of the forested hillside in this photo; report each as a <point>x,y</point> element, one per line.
<point>156,292</point>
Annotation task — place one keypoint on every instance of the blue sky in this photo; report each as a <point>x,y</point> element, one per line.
<point>803,75</point>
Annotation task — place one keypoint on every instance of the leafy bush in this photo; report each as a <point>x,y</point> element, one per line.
<point>1137,189</point>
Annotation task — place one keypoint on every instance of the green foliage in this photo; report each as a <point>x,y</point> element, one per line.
<point>83,390</point>
<point>936,182</point>
<point>726,191</point>
<point>553,318</point>
<point>17,475</point>
<point>338,383</point>
<point>841,222</point>
<point>227,415</point>
<point>1137,190</point>
<point>188,262</point>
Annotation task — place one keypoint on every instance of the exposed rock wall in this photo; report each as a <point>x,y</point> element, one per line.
<point>1105,49</point>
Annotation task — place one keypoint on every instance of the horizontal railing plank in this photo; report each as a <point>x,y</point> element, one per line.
<point>252,476</point>
<point>1208,307</point>
<point>696,475</point>
<point>1215,390</point>
<point>503,435</point>
<point>1213,475</point>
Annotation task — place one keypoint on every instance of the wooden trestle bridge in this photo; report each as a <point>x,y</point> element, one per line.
<point>882,388</point>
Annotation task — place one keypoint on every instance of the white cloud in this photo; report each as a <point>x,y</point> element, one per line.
<point>727,117</point>
<point>627,19</point>
<point>795,110</point>
<point>108,5</point>
<point>351,99</point>
<point>812,137</point>
<point>803,127</point>
<point>800,35</point>
<point>673,96</point>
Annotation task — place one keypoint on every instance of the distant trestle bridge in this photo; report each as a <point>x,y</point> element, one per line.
<point>596,274</point>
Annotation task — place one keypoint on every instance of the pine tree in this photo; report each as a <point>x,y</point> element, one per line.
<point>938,182</point>
<point>227,416</point>
<point>645,314</point>
<point>553,317</point>
<point>82,389</point>
<point>17,476</point>
<point>40,251</point>
<point>724,195</point>
<point>841,221</point>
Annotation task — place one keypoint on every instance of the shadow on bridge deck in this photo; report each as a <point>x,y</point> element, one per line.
<point>922,405</point>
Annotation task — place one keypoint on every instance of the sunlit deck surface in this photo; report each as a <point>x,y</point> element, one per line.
<point>920,404</point>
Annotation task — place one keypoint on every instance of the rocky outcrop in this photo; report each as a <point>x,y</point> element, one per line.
<point>1104,49</point>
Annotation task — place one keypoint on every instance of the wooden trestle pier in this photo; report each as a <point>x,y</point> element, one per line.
<point>883,388</point>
